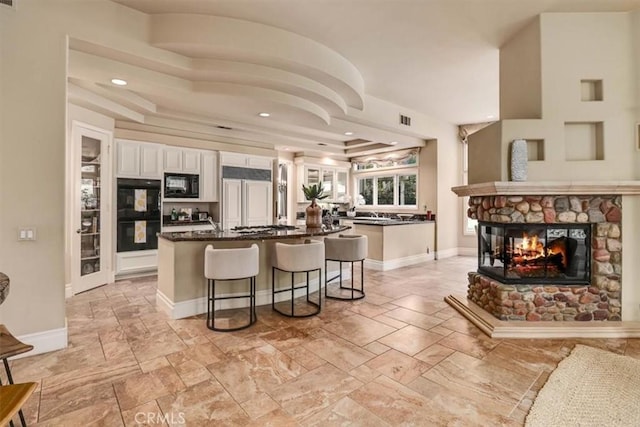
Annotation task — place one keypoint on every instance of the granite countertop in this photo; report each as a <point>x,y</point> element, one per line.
<point>206,235</point>
<point>389,222</point>
<point>4,287</point>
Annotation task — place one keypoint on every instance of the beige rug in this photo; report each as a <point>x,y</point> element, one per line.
<point>590,387</point>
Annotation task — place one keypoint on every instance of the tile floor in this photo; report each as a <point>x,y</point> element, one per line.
<point>401,356</point>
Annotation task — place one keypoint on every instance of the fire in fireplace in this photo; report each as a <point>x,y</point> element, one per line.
<point>535,253</point>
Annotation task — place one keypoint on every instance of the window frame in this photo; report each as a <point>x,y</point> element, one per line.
<point>391,172</point>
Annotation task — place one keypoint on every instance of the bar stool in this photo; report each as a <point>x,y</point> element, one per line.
<point>345,248</point>
<point>230,264</point>
<point>12,397</point>
<point>11,346</point>
<point>297,258</point>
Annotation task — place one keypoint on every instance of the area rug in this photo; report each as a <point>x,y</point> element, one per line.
<point>590,387</point>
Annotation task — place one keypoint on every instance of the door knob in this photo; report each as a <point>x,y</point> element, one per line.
<point>79,230</point>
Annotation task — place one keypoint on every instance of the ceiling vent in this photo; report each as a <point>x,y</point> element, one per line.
<point>405,120</point>
<point>10,3</point>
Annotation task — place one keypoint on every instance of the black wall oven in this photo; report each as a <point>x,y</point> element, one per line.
<point>181,186</point>
<point>138,214</point>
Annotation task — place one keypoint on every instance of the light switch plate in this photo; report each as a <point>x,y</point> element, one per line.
<point>26,233</point>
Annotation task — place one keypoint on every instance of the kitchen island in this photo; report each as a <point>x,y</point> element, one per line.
<point>396,243</point>
<point>182,287</point>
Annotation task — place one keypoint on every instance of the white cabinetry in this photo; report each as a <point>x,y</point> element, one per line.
<point>258,196</point>
<point>246,202</point>
<point>181,160</point>
<point>246,161</point>
<point>334,180</point>
<point>138,159</point>
<point>209,177</point>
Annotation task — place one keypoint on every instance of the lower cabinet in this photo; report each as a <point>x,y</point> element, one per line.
<point>136,262</point>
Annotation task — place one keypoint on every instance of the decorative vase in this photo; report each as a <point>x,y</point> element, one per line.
<point>519,160</point>
<point>313,215</point>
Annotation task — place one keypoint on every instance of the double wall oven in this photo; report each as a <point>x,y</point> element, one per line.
<point>138,214</point>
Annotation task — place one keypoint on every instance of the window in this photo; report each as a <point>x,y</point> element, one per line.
<point>388,190</point>
<point>385,190</point>
<point>365,191</point>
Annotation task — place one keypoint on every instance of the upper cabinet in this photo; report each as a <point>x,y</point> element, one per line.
<point>138,159</point>
<point>334,179</point>
<point>182,160</point>
<point>246,161</point>
<point>209,176</point>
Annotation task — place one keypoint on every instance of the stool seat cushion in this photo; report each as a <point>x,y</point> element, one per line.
<point>346,248</point>
<point>299,257</point>
<point>225,264</point>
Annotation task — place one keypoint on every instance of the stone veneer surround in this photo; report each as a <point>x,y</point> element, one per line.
<point>599,301</point>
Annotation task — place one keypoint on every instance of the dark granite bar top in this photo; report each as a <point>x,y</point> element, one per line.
<point>389,222</point>
<point>206,235</point>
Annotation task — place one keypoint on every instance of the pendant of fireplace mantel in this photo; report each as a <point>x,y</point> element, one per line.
<point>519,160</point>
<point>535,253</point>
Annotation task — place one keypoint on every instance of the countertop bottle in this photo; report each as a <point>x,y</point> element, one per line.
<point>174,214</point>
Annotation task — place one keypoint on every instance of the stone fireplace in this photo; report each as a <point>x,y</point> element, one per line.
<point>551,257</point>
<point>531,291</point>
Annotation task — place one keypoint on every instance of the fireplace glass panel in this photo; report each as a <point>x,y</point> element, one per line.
<point>535,253</point>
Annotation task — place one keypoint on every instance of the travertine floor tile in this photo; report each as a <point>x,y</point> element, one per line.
<point>358,329</point>
<point>410,339</point>
<point>311,392</point>
<point>398,357</point>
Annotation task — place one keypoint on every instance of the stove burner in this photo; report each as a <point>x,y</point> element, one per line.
<point>261,228</point>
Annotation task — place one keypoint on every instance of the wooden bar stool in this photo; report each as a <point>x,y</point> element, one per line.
<point>11,346</point>
<point>345,249</point>
<point>12,397</point>
<point>231,264</point>
<point>297,258</point>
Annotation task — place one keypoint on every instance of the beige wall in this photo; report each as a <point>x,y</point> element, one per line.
<point>32,144</point>
<point>520,78</point>
<point>573,47</point>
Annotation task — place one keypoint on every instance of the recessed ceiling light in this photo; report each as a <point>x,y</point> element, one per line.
<point>393,142</point>
<point>490,116</point>
<point>348,133</point>
<point>264,114</point>
<point>119,82</point>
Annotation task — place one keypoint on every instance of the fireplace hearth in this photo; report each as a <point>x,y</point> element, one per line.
<point>535,253</point>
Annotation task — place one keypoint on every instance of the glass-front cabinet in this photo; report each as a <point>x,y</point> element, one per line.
<point>334,181</point>
<point>90,189</point>
<point>91,243</point>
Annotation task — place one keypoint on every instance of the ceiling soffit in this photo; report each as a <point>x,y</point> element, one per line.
<point>222,71</point>
<point>214,37</point>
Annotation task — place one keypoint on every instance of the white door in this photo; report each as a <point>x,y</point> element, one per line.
<point>232,203</point>
<point>258,198</point>
<point>91,229</point>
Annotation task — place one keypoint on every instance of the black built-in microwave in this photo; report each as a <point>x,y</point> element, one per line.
<point>181,186</point>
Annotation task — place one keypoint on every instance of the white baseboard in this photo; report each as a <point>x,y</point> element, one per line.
<point>447,253</point>
<point>467,251</point>
<point>45,341</point>
<point>68,291</point>
<point>398,262</point>
<point>192,307</point>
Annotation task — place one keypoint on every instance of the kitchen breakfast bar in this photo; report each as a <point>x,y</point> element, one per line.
<point>182,287</point>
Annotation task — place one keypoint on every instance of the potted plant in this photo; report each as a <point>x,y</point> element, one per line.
<point>314,212</point>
